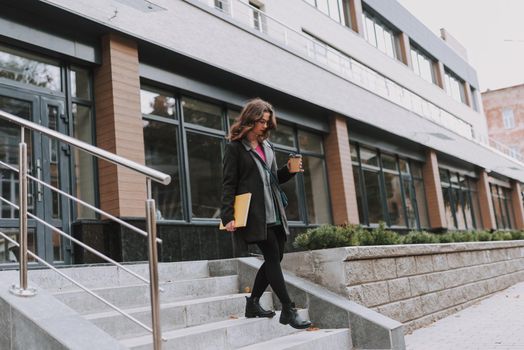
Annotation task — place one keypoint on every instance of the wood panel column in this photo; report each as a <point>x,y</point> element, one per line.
<point>355,12</point>
<point>518,208</point>
<point>405,49</point>
<point>486,203</point>
<point>340,173</point>
<point>119,126</point>
<point>433,190</point>
<point>440,74</point>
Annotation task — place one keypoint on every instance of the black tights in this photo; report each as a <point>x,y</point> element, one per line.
<point>270,273</point>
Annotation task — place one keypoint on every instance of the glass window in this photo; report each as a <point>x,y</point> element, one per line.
<point>373,196</point>
<point>508,118</point>
<point>157,103</point>
<point>368,157</point>
<point>460,199</point>
<point>202,113</point>
<point>205,173</point>
<point>84,164</point>
<point>161,153</point>
<point>454,86</point>
<point>310,142</point>
<point>379,35</point>
<point>283,135</point>
<point>232,116</point>
<point>394,200</point>
<point>389,162</point>
<point>80,83</point>
<point>290,188</point>
<point>358,189</point>
<point>315,183</point>
<point>421,203</point>
<point>29,69</point>
<point>422,65</point>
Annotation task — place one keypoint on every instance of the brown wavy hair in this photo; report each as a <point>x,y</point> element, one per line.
<point>252,112</point>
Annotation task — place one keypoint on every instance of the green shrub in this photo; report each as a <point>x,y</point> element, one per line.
<point>484,236</point>
<point>445,238</point>
<point>501,236</point>
<point>419,237</point>
<point>517,235</point>
<point>381,236</point>
<point>329,236</point>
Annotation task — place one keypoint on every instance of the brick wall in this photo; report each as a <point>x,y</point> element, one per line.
<point>435,201</point>
<point>119,126</point>
<point>340,173</point>
<point>494,103</point>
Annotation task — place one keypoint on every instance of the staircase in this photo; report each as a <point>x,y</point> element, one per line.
<point>201,308</point>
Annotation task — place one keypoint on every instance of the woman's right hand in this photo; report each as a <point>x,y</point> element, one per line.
<point>230,227</point>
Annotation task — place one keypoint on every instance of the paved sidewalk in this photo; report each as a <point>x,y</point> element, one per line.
<point>496,323</point>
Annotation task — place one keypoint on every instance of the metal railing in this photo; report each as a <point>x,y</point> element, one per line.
<point>351,69</point>
<point>150,210</point>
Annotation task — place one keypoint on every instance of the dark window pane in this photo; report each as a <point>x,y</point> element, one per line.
<point>421,203</point>
<point>416,169</point>
<point>444,176</point>
<point>202,113</point>
<point>157,103</point>
<point>394,200</point>
<point>232,116</point>
<point>354,155</point>
<point>205,171</point>
<point>374,199</point>
<point>510,210</point>
<point>496,206</point>
<point>9,140</point>
<point>404,166</point>
<point>468,210</point>
<point>29,69</point>
<point>290,188</point>
<point>459,214</point>
<point>80,83</point>
<point>448,207</point>
<point>358,191</point>
<point>310,142</point>
<point>84,163</point>
<point>410,205</point>
<point>283,135</point>
<point>161,152</point>
<point>389,162</point>
<point>316,191</point>
<point>368,156</point>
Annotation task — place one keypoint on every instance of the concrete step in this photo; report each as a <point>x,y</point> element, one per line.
<point>229,334</point>
<point>332,339</point>
<point>102,276</point>
<point>179,314</point>
<point>138,295</point>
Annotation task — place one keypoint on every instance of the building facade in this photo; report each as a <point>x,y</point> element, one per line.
<point>386,115</point>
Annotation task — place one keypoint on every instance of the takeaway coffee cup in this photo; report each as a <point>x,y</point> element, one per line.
<point>294,162</point>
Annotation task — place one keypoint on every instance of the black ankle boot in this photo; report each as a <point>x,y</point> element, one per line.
<point>290,316</point>
<point>253,309</point>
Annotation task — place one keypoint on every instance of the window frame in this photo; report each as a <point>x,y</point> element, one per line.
<point>380,171</point>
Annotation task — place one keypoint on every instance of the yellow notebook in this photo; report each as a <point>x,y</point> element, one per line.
<point>241,210</point>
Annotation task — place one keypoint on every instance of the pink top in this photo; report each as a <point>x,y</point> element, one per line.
<point>261,153</point>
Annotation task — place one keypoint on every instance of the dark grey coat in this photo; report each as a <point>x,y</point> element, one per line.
<point>241,175</point>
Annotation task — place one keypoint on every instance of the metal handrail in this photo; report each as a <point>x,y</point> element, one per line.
<point>151,174</point>
<point>80,243</point>
<point>93,150</point>
<point>85,204</point>
<point>81,286</point>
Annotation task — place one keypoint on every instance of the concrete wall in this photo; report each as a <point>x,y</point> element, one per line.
<point>414,284</point>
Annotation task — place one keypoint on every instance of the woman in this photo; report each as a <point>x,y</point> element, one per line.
<point>250,166</point>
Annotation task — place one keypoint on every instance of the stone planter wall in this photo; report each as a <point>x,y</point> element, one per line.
<point>414,284</point>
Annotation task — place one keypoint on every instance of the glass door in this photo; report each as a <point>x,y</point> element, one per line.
<point>49,161</point>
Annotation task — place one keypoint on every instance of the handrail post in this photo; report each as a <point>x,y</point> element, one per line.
<point>22,289</point>
<point>153,268</point>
